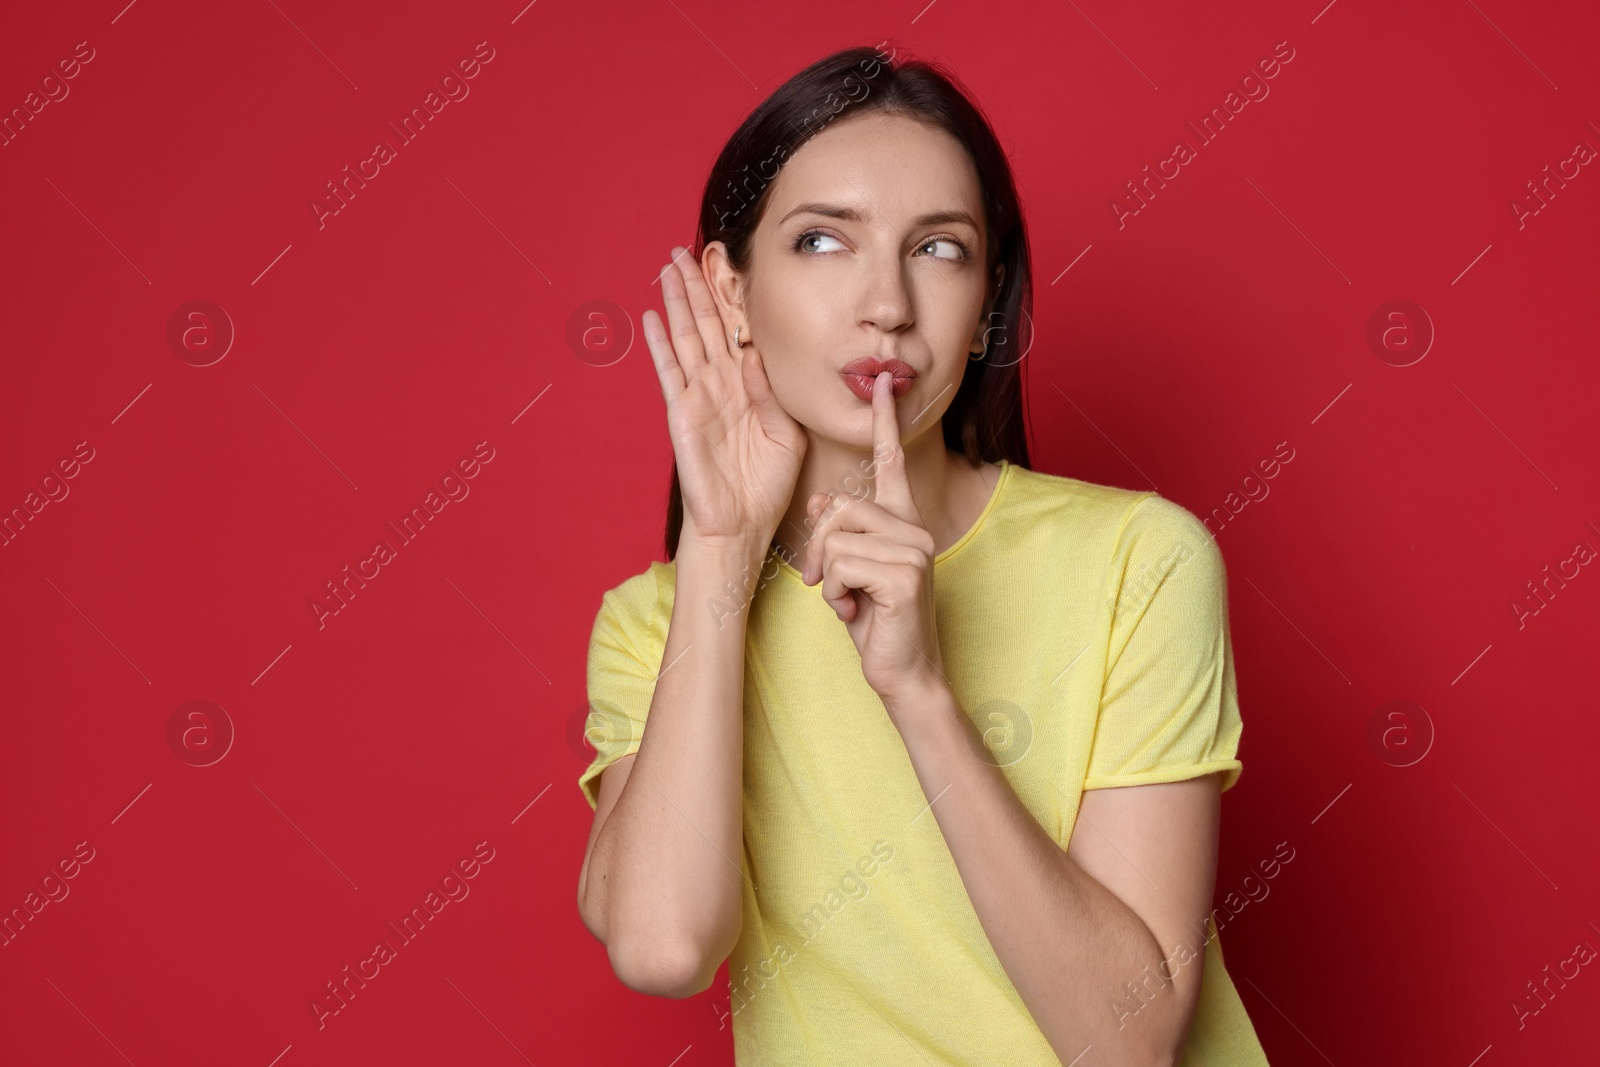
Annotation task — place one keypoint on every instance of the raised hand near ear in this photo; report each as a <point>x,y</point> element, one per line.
<point>738,452</point>
<point>874,559</point>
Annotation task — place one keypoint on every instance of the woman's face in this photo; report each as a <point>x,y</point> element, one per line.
<point>872,245</point>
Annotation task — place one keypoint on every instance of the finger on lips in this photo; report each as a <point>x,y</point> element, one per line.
<point>890,490</point>
<point>890,486</point>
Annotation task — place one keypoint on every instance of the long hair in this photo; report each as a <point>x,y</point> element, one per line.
<point>985,421</point>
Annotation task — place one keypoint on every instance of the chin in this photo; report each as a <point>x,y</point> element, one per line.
<point>847,431</point>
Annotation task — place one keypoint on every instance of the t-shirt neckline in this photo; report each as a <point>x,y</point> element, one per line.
<point>1006,468</point>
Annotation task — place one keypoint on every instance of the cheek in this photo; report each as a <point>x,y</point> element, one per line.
<point>797,382</point>
<point>790,357</point>
<point>952,362</point>
<point>948,301</point>
<point>802,347</point>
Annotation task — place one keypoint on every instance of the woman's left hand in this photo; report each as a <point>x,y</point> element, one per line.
<point>874,559</point>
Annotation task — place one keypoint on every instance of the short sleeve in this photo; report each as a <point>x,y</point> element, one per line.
<point>1169,707</point>
<point>625,646</point>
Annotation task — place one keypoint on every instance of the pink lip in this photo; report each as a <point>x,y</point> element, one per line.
<point>861,373</point>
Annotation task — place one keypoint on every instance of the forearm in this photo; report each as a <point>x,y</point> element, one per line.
<point>1068,944</point>
<point>667,866</point>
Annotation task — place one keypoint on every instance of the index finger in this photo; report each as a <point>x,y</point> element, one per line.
<point>891,487</point>
<point>707,318</point>
<point>683,329</point>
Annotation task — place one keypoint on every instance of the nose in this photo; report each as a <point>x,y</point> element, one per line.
<point>886,299</point>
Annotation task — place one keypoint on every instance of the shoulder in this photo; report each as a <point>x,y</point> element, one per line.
<point>640,603</point>
<point>647,585</point>
<point>1090,512</point>
<point>1152,525</point>
<point>1130,531</point>
<point>1165,555</point>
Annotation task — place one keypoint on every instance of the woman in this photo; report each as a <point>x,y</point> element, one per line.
<point>962,806</point>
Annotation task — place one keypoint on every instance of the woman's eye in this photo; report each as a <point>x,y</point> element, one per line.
<point>801,243</point>
<point>960,250</point>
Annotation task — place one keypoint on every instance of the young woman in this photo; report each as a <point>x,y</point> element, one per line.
<point>931,743</point>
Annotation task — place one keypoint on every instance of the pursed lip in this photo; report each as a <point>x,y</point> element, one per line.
<point>859,375</point>
<point>871,367</point>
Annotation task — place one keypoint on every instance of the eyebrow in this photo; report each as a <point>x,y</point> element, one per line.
<point>850,214</point>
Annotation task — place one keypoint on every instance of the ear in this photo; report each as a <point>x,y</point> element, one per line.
<point>726,284</point>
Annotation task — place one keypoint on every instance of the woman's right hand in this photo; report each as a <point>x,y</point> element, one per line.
<point>738,452</point>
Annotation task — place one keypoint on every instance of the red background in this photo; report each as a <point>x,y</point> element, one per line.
<point>437,709</point>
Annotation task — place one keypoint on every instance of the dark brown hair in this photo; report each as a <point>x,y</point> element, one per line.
<point>985,421</point>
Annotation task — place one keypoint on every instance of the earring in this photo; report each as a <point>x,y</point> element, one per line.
<point>736,342</point>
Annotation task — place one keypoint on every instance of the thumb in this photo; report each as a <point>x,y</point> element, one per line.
<point>756,386</point>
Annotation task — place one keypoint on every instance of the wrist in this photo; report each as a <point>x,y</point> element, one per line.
<point>739,548</point>
<point>724,575</point>
<point>926,700</point>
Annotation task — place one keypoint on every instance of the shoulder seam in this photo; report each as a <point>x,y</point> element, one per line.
<point>1116,540</point>
<point>622,628</point>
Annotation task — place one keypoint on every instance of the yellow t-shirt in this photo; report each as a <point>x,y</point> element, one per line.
<point>1084,628</point>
